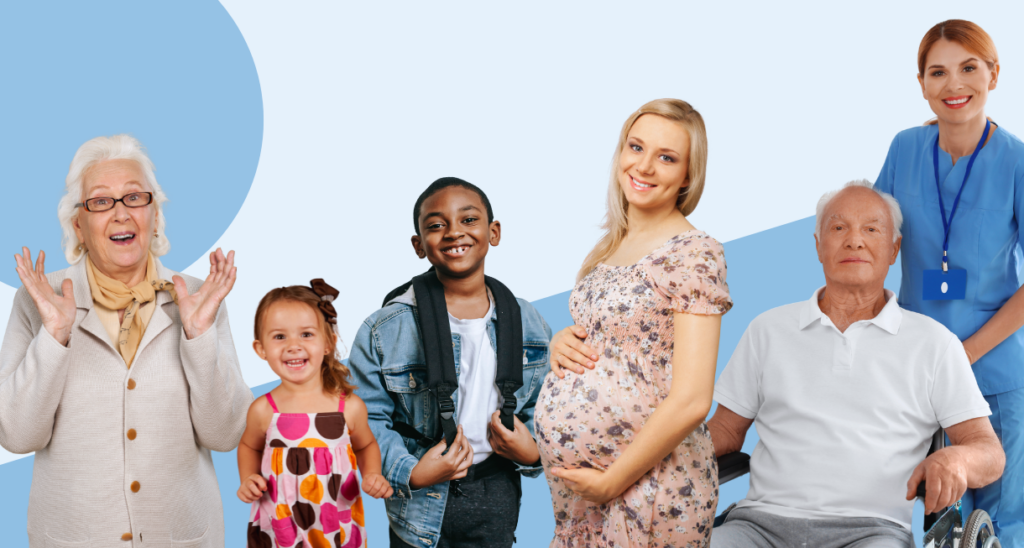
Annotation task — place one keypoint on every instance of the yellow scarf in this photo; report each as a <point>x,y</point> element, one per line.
<point>116,295</point>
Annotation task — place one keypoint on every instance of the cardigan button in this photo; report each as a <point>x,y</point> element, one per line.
<point>131,434</point>
<point>131,384</point>
<point>126,536</point>
<point>136,486</point>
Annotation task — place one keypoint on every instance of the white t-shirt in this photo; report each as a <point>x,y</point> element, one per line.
<point>478,394</point>
<point>844,418</point>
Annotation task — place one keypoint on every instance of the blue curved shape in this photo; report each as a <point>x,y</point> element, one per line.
<point>177,75</point>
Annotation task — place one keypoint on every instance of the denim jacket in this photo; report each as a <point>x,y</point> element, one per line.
<point>389,369</point>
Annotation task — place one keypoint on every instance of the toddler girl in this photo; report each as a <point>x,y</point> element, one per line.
<point>308,434</point>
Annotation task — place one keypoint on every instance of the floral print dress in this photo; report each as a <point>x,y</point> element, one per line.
<point>312,498</point>
<point>588,420</point>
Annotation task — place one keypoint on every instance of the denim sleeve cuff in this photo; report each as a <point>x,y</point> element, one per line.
<point>400,474</point>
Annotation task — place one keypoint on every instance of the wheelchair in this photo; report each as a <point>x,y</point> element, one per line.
<point>945,529</point>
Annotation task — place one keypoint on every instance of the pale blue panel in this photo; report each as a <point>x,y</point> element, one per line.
<point>176,75</point>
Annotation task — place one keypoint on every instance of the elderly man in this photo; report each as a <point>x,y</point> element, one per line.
<point>847,390</point>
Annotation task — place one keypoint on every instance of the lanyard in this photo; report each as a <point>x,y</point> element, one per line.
<point>947,225</point>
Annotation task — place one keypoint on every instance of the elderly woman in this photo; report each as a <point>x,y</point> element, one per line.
<point>119,373</point>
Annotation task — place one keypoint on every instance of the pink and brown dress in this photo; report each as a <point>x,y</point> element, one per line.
<point>312,498</point>
<point>588,420</point>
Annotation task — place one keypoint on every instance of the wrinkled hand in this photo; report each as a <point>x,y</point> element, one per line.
<point>590,483</point>
<point>518,446</point>
<point>569,352</point>
<point>945,477</point>
<point>199,310</point>
<point>434,467</point>
<point>252,488</point>
<point>56,311</point>
<point>376,486</point>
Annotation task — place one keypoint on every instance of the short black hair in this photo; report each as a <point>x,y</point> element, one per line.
<point>441,184</point>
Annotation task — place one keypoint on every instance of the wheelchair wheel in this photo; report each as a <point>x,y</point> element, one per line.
<point>978,531</point>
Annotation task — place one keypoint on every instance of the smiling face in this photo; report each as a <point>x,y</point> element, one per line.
<point>117,239</point>
<point>454,232</point>
<point>654,162</point>
<point>856,247</point>
<point>956,82</point>
<point>292,340</point>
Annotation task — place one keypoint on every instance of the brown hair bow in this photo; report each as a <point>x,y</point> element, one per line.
<point>327,295</point>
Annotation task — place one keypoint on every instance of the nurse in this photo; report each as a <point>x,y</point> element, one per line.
<point>960,182</point>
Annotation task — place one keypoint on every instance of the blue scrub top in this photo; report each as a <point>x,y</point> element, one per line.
<point>984,240</point>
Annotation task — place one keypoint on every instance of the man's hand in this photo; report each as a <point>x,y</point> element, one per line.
<point>517,446</point>
<point>435,468</point>
<point>945,475</point>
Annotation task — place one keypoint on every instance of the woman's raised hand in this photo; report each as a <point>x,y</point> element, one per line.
<point>569,352</point>
<point>57,311</point>
<point>199,310</point>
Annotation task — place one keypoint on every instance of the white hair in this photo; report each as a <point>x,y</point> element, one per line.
<point>894,207</point>
<point>100,149</point>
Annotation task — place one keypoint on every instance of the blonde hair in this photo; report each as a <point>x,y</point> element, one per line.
<point>93,151</point>
<point>616,222</point>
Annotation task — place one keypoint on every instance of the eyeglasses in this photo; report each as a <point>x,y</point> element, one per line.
<point>135,199</point>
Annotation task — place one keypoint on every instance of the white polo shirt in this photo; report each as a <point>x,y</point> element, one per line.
<point>844,418</point>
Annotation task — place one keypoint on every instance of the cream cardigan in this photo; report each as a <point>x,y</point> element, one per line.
<point>121,452</point>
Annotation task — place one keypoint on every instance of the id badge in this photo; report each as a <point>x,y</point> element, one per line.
<point>945,286</point>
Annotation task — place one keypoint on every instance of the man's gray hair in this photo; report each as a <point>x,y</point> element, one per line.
<point>99,149</point>
<point>894,207</point>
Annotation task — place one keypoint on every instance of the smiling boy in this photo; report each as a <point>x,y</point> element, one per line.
<point>450,369</point>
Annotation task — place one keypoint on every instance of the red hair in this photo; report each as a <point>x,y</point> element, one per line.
<point>333,374</point>
<point>972,37</point>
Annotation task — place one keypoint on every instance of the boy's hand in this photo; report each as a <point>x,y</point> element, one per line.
<point>252,488</point>
<point>434,467</point>
<point>518,446</point>
<point>376,486</point>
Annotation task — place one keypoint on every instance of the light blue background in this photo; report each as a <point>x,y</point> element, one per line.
<point>178,76</point>
<point>299,135</point>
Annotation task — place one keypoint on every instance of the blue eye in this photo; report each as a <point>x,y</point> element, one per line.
<point>666,158</point>
<point>636,148</point>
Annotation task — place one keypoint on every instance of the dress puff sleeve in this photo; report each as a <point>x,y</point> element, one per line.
<point>689,272</point>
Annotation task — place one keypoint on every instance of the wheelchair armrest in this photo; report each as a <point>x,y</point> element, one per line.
<point>732,466</point>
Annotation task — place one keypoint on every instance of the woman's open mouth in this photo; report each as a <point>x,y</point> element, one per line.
<point>123,238</point>
<point>957,102</point>
<point>640,185</point>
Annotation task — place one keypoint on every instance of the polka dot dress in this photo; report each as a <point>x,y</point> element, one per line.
<point>312,498</point>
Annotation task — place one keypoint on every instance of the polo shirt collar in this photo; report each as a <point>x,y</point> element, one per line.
<point>888,319</point>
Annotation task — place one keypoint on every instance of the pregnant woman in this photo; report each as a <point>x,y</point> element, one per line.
<point>628,458</point>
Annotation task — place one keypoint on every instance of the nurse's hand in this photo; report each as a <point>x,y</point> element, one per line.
<point>569,352</point>
<point>972,354</point>
<point>945,475</point>
<point>590,483</point>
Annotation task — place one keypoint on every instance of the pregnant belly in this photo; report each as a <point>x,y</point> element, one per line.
<point>588,420</point>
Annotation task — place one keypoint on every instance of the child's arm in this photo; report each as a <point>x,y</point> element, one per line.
<point>366,449</point>
<point>250,451</point>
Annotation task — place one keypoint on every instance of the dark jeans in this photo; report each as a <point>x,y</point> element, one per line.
<point>484,516</point>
